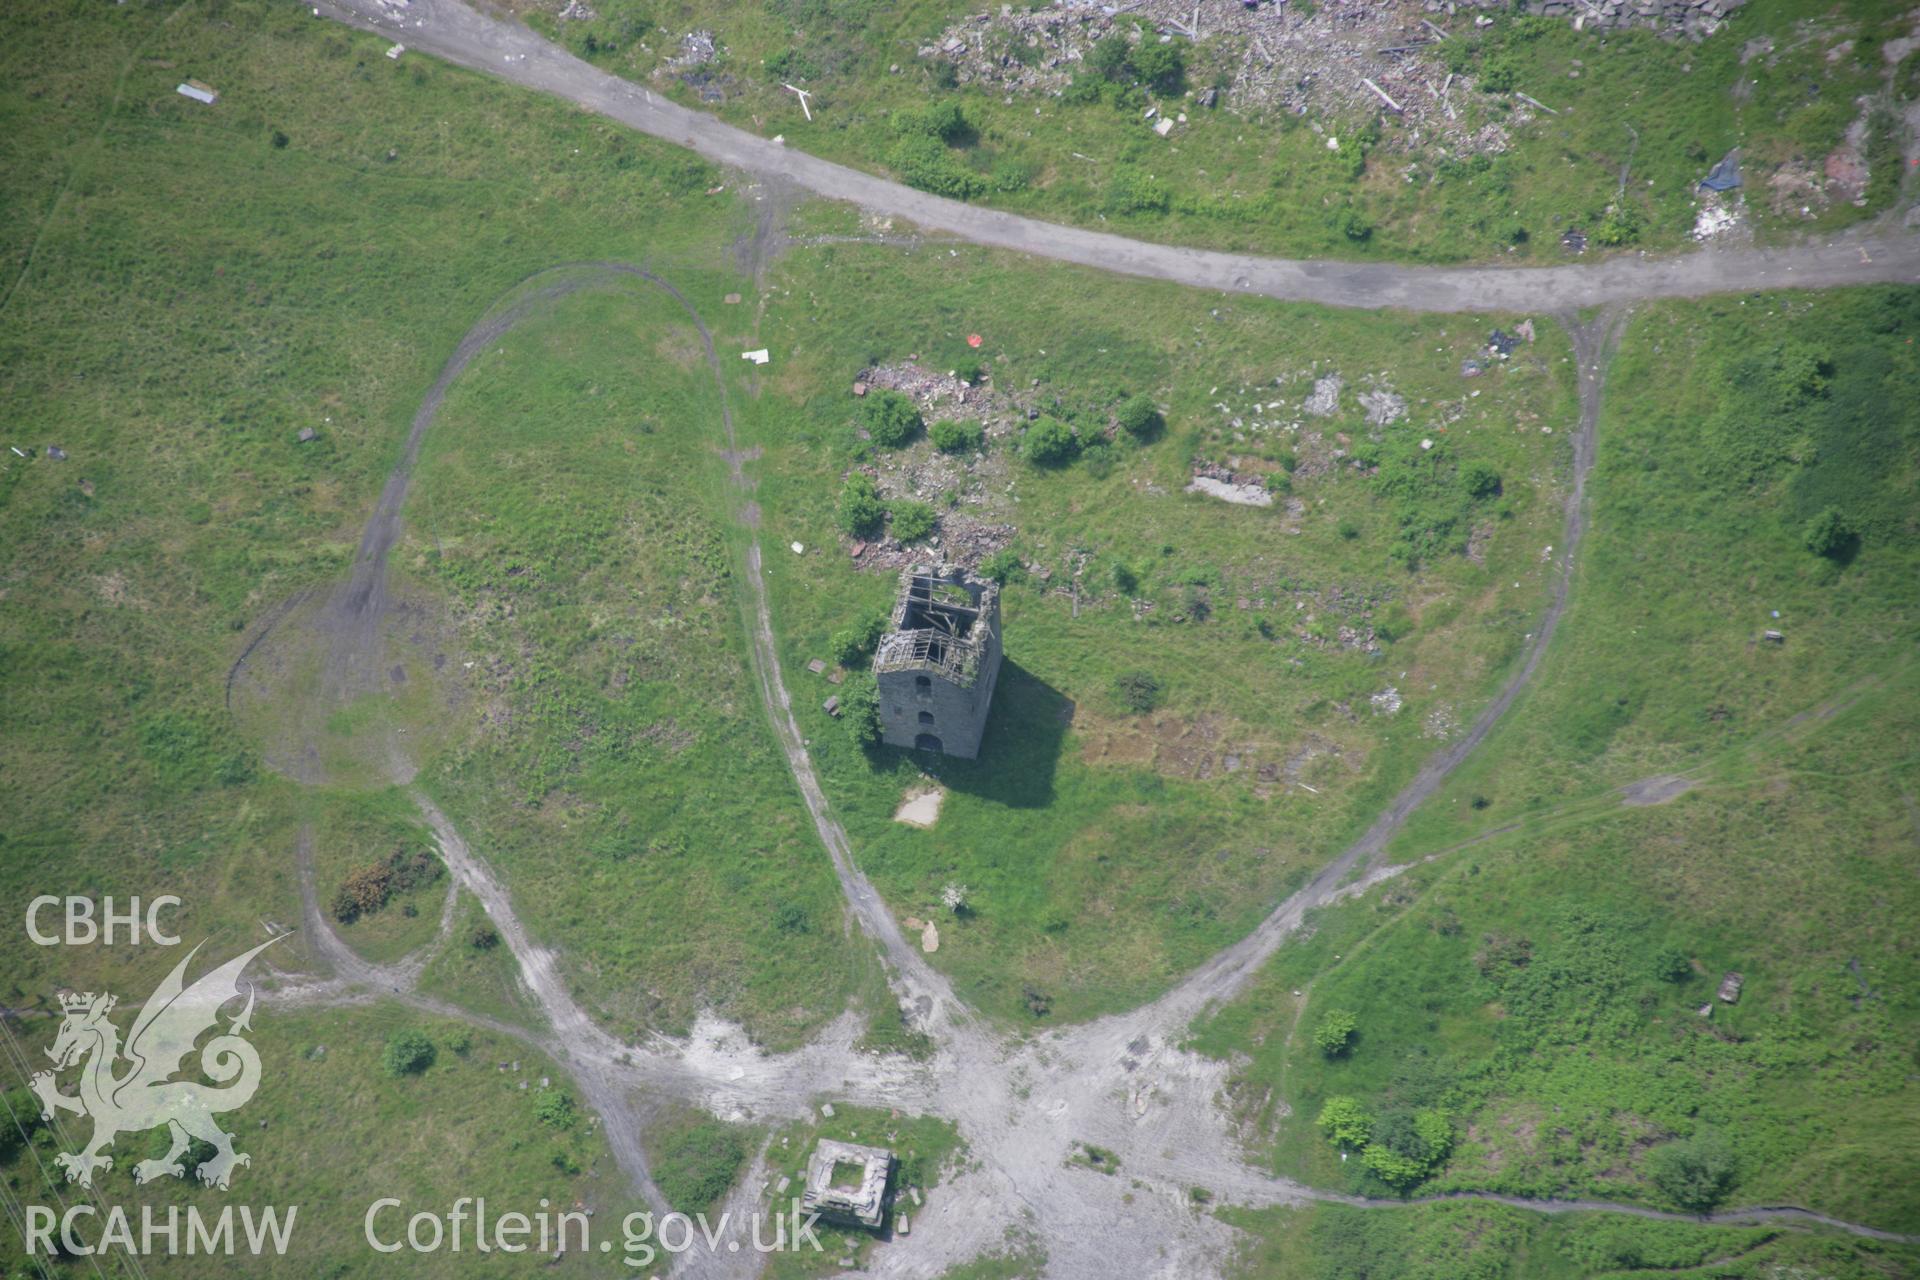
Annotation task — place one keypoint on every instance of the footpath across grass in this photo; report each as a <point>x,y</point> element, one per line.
<point>1548,988</point>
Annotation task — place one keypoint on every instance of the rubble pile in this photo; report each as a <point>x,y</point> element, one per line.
<point>1334,60</point>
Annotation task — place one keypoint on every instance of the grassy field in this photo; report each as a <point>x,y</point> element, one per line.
<point>462,1127</point>
<point>1541,988</point>
<point>1637,122</point>
<point>1494,1242</point>
<point>1107,849</point>
<point>204,283</point>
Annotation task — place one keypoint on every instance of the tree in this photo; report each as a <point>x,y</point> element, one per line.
<point>951,436</point>
<point>860,509</point>
<point>1345,1122</point>
<point>408,1053</point>
<point>912,521</point>
<point>1137,691</point>
<point>890,418</point>
<point>1335,1031</point>
<point>1828,534</point>
<point>1695,1173</point>
<point>1139,417</point>
<point>1050,442</point>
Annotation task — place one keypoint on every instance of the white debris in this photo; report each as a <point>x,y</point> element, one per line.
<point>758,357</point>
<point>396,51</point>
<point>1163,126</point>
<point>799,548</point>
<point>1325,400</point>
<point>1386,702</point>
<point>1244,495</point>
<point>198,92</point>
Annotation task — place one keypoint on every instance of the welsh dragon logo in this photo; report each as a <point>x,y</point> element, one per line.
<point>144,1095</point>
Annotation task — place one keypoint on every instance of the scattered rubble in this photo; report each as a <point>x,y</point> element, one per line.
<point>1387,702</point>
<point>1325,400</point>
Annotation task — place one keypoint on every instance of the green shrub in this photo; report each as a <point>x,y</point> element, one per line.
<point>1139,417</point>
<point>554,1108</point>
<point>860,510</point>
<point>860,709</point>
<point>1499,73</point>
<point>1695,1173</point>
<point>924,162</point>
<point>408,1053</point>
<point>940,119</point>
<point>890,418</point>
<point>698,1163</point>
<point>1133,190</point>
<point>911,521</point>
<point>1137,691</point>
<point>1480,481</point>
<point>1828,534</point>
<point>1049,442</point>
<point>1125,580</point>
<point>957,437</point>
<point>1004,566</point>
<point>1670,964</point>
<point>1335,1031</point>
<point>1345,1122</point>
<point>852,643</point>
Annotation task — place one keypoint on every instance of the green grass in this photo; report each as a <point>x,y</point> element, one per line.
<point>1515,984</point>
<point>1494,1242</point>
<point>1265,180</point>
<point>330,1132</point>
<point>198,295</point>
<point>1107,851</point>
<point>695,1159</point>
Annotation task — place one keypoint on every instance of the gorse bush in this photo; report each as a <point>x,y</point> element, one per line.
<point>911,521</point>
<point>954,436</point>
<point>890,418</point>
<point>859,510</point>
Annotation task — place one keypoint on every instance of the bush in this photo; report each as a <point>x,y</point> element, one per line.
<point>1132,190</point>
<point>1004,566</point>
<point>1335,1031</point>
<point>1670,964</point>
<point>698,1164</point>
<point>860,509</point>
<point>1139,417</point>
<point>408,1053</point>
<point>912,521</point>
<point>1499,74</point>
<point>942,119</point>
<point>1049,442</point>
<point>1137,691</point>
<point>860,710</point>
<point>852,643</point>
<point>484,937</point>
<point>890,418</point>
<point>1480,481</point>
<point>1125,580</point>
<point>1828,534</point>
<point>924,162</point>
<point>957,437</point>
<point>1161,67</point>
<point>1345,1122</point>
<point>554,1108</point>
<point>1696,1173</point>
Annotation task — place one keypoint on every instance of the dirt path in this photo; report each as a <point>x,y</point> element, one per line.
<point>1024,1108</point>
<point>448,29</point>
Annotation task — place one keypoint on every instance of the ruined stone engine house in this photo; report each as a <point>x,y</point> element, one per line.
<point>938,662</point>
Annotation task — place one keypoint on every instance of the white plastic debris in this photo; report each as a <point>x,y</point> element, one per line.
<point>396,51</point>
<point>799,548</point>
<point>758,357</point>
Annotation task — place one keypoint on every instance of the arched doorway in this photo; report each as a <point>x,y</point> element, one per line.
<point>926,742</point>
